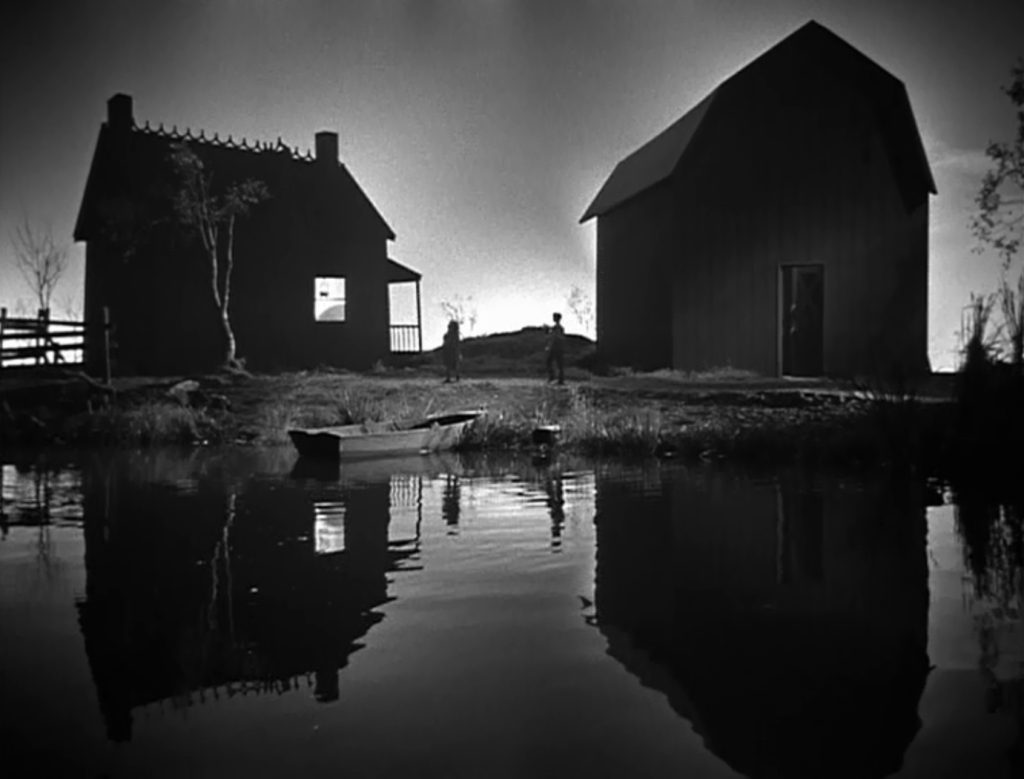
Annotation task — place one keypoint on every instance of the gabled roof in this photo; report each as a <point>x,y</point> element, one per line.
<point>656,160</point>
<point>651,163</point>
<point>398,273</point>
<point>149,146</point>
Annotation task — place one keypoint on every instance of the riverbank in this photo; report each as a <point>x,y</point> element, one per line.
<point>721,415</point>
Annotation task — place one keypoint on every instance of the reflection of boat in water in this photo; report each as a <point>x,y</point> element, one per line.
<point>374,469</point>
<point>428,434</point>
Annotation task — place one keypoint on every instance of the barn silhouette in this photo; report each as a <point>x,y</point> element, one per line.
<point>780,226</point>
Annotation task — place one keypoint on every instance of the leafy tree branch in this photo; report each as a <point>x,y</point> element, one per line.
<point>999,222</point>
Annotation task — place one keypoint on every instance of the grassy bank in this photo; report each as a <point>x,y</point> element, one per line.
<point>707,417</point>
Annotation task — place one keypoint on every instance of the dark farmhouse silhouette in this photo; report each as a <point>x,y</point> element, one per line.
<point>311,274</point>
<point>780,226</point>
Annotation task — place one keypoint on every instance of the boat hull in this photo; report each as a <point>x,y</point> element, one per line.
<point>377,440</point>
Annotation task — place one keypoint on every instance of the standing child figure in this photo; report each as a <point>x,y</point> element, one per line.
<point>451,352</point>
<point>556,349</point>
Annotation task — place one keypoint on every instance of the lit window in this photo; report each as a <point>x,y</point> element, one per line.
<point>329,526</point>
<point>329,305</point>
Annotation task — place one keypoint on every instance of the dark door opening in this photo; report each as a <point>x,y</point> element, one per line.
<point>800,534</point>
<point>802,320</point>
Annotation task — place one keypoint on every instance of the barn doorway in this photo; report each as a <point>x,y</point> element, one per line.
<point>802,318</point>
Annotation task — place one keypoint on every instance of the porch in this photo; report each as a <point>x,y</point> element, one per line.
<point>405,337</point>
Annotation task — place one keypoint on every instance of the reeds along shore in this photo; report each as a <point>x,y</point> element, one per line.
<point>981,427</point>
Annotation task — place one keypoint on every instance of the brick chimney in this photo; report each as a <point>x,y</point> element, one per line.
<point>119,112</point>
<point>327,148</point>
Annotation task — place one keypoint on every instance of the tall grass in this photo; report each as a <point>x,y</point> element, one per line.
<point>593,430</point>
<point>980,342</point>
<point>318,402</point>
<point>895,426</point>
<point>594,423</point>
<point>719,374</point>
<point>584,426</point>
<point>780,437</point>
<point>594,419</point>
<point>145,424</point>
<point>1011,303</point>
<point>989,428</point>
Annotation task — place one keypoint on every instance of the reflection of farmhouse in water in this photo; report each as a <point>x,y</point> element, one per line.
<point>219,587</point>
<point>787,623</point>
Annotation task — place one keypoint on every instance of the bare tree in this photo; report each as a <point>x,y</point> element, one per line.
<point>999,223</point>
<point>23,308</point>
<point>70,307</point>
<point>213,216</point>
<point>579,303</point>
<point>462,310</point>
<point>40,260</point>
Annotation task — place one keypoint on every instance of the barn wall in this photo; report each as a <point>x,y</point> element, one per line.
<point>808,183</point>
<point>634,242</point>
<point>723,304</point>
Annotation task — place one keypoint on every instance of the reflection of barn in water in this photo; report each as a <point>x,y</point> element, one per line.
<point>787,622</point>
<point>214,588</point>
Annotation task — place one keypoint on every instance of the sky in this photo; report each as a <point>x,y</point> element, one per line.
<point>481,129</point>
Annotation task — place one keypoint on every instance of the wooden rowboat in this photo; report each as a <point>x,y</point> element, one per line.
<point>429,434</point>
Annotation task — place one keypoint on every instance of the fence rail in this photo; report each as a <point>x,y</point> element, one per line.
<point>406,338</point>
<point>27,342</point>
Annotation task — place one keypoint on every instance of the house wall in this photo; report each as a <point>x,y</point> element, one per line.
<point>327,234</point>
<point>809,183</point>
<point>316,222</point>
<point>162,314</point>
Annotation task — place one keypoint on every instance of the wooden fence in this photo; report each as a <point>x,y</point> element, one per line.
<point>34,342</point>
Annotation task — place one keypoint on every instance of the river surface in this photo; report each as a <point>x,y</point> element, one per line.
<point>240,613</point>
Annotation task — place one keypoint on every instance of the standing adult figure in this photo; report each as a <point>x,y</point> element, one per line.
<point>451,352</point>
<point>556,349</point>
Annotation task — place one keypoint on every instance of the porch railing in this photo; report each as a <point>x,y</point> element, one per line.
<point>406,339</point>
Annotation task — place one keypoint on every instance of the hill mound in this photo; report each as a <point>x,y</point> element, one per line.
<point>521,351</point>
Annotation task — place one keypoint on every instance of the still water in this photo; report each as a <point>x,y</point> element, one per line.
<point>239,613</point>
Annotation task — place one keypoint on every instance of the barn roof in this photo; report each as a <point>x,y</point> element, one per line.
<point>655,161</point>
<point>651,163</point>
